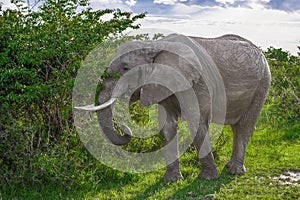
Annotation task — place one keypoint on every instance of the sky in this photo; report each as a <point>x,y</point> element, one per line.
<point>265,22</point>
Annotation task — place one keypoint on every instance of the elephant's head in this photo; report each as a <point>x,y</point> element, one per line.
<point>167,52</point>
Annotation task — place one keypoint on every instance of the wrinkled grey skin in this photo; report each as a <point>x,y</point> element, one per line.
<point>246,78</point>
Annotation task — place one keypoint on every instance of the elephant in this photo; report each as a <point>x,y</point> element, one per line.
<point>243,71</point>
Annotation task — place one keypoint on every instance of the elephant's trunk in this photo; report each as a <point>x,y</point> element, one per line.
<point>107,126</point>
<point>105,116</point>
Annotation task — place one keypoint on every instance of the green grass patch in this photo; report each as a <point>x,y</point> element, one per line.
<point>270,153</point>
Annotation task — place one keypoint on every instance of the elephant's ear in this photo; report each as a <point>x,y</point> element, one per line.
<point>169,74</point>
<point>185,55</point>
<point>176,68</point>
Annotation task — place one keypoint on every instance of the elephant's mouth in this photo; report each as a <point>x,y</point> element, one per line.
<point>104,111</point>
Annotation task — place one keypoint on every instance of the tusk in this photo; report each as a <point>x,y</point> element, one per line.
<point>96,108</point>
<point>126,130</point>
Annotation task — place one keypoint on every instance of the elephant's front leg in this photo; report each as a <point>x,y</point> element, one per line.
<point>168,121</point>
<point>202,143</point>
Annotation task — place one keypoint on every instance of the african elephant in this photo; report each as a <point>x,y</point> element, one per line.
<point>243,71</point>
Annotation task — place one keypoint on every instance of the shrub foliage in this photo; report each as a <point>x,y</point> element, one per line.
<point>283,103</point>
<point>40,53</point>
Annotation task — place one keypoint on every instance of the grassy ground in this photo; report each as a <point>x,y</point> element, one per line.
<point>271,152</point>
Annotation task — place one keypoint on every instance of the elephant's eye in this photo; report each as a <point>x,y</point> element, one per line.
<point>126,68</point>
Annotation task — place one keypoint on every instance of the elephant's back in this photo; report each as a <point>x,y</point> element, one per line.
<point>241,65</point>
<point>239,61</point>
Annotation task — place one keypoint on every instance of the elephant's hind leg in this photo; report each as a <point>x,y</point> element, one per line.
<point>240,140</point>
<point>244,128</point>
<point>202,143</point>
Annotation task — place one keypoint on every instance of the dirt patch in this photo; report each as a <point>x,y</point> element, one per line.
<point>291,177</point>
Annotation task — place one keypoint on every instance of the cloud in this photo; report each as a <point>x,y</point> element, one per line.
<point>257,3</point>
<point>131,2</point>
<point>244,3</point>
<point>6,4</point>
<point>168,2</point>
<point>111,4</point>
<point>265,22</point>
<point>225,1</point>
<point>288,5</point>
<point>264,27</point>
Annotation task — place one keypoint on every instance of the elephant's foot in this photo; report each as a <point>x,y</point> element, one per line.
<point>235,167</point>
<point>173,172</point>
<point>209,170</point>
<point>209,174</point>
<point>172,176</point>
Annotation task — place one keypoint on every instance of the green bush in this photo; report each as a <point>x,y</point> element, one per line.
<point>283,102</point>
<point>40,53</point>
